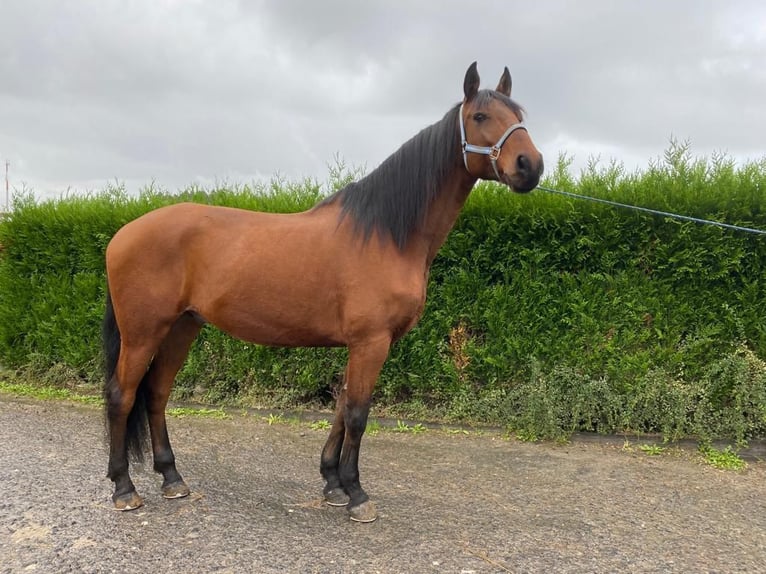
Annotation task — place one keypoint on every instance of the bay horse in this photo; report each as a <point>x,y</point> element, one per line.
<point>351,271</point>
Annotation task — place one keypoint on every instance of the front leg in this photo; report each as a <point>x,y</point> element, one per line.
<point>360,507</point>
<point>364,364</point>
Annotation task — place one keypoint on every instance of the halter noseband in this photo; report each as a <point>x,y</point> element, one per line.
<point>493,152</point>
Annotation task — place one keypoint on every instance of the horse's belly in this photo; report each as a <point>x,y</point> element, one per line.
<point>298,323</point>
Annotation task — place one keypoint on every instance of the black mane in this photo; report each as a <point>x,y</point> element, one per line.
<point>393,198</point>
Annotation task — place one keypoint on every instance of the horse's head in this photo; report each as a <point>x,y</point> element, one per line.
<point>491,125</point>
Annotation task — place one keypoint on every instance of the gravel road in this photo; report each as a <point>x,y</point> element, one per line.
<point>447,502</point>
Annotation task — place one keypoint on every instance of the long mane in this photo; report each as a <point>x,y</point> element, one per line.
<point>393,199</point>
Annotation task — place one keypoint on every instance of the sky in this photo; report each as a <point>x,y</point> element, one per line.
<point>209,92</point>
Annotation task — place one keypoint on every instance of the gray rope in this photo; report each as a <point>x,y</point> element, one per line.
<point>654,211</point>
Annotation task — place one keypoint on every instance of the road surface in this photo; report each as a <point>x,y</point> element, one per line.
<point>447,503</point>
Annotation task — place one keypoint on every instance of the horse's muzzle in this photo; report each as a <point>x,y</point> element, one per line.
<point>527,174</point>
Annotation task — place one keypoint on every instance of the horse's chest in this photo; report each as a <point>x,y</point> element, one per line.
<point>407,309</point>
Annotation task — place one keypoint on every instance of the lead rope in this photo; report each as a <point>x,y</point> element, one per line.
<point>654,211</point>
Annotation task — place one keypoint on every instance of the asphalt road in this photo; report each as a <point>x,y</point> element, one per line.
<point>448,503</point>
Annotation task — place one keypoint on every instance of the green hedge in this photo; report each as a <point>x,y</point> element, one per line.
<point>545,314</point>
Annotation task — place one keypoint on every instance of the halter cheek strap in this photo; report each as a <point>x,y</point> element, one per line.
<point>493,152</point>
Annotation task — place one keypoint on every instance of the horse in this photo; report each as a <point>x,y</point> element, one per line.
<point>351,271</point>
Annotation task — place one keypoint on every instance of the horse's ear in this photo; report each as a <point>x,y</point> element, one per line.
<point>504,85</point>
<point>471,82</point>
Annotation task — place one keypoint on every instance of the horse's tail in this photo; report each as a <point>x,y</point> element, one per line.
<point>137,433</point>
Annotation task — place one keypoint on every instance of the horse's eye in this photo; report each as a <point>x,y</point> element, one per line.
<point>479,117</point>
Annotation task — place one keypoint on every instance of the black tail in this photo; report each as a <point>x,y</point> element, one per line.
<point>137,433</point>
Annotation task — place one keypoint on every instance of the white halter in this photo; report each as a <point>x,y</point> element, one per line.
<point>493,152</point>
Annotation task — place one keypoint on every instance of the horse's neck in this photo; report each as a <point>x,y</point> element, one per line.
<point>443,212</point>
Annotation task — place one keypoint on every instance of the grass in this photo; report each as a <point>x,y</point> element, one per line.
<point>722,459</point>
<point>46,393</point>
<point>180,412</point>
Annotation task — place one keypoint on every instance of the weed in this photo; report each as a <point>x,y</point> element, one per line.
<point>526,436</point>
<point>652,449</point>
<point>320,424</point>
<point>274,419</point>
<point>725,459</point>
<point>373,427</point>
<point>401,426</point>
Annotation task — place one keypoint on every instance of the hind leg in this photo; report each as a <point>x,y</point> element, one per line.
<point>166,364</point>
<point>121,397</point>
<point>333,491</point>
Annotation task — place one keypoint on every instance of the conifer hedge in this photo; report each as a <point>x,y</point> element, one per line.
<point>545,314</point>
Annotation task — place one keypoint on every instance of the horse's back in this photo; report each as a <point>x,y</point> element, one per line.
<point>181,219</point>
<point>263,277</point>
<point>197,230</point>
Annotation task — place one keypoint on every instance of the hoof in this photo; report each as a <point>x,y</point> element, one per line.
<point>336,497</point>
<point>365,512</point>
<point>129,501</point>
<point>176,489</point>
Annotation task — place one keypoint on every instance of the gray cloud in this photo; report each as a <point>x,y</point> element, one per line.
<point>178,92</point>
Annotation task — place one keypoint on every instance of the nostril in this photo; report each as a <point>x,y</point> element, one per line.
<point>523,164</point>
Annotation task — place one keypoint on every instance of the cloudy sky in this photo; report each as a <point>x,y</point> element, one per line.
<point>204,91</point>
